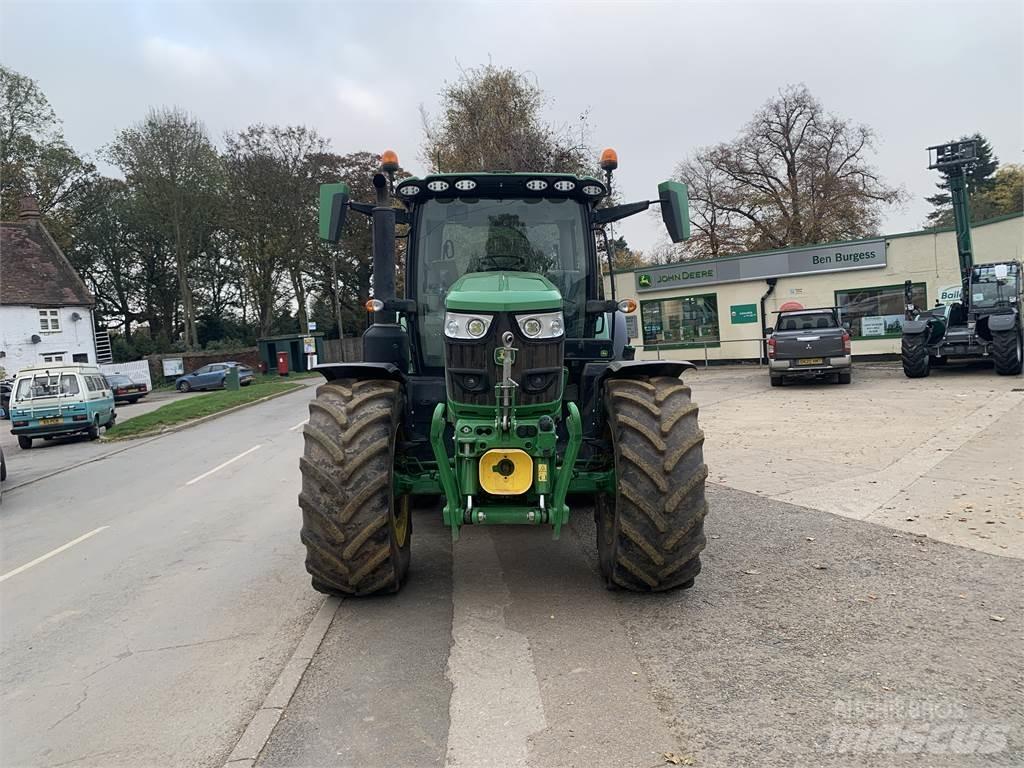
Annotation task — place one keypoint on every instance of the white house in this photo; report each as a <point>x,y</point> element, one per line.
<point>46,312</point>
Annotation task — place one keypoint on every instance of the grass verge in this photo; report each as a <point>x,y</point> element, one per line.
<point>195,407</point>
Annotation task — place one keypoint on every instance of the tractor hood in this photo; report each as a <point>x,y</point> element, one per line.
<point>503,292</point>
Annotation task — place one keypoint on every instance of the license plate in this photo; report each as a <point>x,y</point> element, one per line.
<point>810,361</point>
<point>48,422</point>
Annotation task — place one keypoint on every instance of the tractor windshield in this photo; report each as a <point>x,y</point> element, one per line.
<point>995,285</point>
<point>458,236</point>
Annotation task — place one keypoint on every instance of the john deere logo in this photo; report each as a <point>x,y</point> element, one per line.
<point>499,356</point>
<point>645,281</point>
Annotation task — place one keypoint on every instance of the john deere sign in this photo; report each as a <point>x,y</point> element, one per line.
<point>866,254</point>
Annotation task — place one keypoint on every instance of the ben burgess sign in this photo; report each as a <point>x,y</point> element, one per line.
<point>835,258</point>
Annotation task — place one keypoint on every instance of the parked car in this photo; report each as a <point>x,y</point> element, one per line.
<point>5,398</point>
<point>809,343</point>
<point>212,376</point>
<point>125,389</point>
<point>55,400</point>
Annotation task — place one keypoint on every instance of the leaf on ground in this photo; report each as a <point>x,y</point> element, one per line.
<point>997,617</point>
<point>752,572</point>
<point>673,759</point>
<point>820,567</point>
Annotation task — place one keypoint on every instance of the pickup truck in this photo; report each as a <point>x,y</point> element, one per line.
<point>809,343</point>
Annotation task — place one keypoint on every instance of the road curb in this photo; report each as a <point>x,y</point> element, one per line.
<point>201,420</point>
<point>256,735</point>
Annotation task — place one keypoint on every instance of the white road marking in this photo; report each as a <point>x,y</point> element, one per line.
<point>496,704</point>
<point>221,466</point>
<point>50,554</point>
<point>300,425</point>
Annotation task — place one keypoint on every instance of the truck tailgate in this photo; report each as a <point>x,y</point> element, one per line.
<point>824,342</point>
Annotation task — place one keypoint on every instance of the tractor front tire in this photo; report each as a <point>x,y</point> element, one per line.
<point>650,533</point>
<point>356,532</point>
<point>1007,352</point>
<point>914,354</point>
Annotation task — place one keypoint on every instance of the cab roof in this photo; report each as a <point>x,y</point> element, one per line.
<point>59,368</point>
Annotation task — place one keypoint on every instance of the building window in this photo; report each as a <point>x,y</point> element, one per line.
<point>688,320</point>
<point>877,312</point>
<point>80,357</point>
<point>49,321</point>
<point>56,357</point>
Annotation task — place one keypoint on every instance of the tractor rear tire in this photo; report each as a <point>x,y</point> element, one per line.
<point>356,532</point>
<point>650,533</point>
<point>1007,352</point>
<point>914,353</point>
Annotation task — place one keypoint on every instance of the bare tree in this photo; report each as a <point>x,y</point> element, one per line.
<point>795,175</point>
<point>491,120</point>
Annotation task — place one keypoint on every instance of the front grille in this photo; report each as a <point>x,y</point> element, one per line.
<point>471,373</point>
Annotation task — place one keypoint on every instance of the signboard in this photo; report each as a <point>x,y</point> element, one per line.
<point>309,345</point>
<point>173,366</point>
<point>950,294</point>
<point>743,313</point>
<point>311,326</point>
<point>881,325</point>
<point>866,254</point>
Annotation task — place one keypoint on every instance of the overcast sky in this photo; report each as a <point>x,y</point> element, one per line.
<point>658,79</point>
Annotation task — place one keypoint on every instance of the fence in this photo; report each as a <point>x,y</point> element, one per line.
<point>342,350</point>
<point>137,370</point>
<point>753,351</point>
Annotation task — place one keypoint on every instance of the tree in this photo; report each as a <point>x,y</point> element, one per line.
<point>795,175</point>
<point>491,120</point>
<point>624,258</point>
<point>34,157</point>
<point>1007,192</point>
<point>979,181</point>
<point>172,166</point>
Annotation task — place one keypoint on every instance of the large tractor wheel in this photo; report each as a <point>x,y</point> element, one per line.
<point>651,532</point>
<point>914,354</point>
<point>1007,352</point>
<point>355,531</point>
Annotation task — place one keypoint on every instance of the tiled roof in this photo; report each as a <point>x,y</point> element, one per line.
<point>34,271</point>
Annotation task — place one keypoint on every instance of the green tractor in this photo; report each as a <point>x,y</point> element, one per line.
<point>502,382</point>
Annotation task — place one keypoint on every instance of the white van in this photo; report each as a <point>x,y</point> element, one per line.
<point>58,399</point>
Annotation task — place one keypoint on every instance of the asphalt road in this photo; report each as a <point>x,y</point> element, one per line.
<point>810,639</point>
<point>153,641</point>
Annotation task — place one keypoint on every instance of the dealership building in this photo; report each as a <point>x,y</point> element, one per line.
<point>715,309</point>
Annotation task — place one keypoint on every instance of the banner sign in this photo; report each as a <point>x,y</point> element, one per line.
<point>866,254</point>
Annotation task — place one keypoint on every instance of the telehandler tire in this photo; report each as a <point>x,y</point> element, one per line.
<point>914,354</point>
<point>650,533</point>
<point>1007,352</point>
<point>355,530</point>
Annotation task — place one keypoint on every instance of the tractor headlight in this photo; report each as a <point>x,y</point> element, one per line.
<point>462,326</point>
<point>549,325</point>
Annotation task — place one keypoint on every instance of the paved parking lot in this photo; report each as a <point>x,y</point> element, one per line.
<point>941,456</point>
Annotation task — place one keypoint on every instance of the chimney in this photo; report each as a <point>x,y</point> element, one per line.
<point>28,208</point>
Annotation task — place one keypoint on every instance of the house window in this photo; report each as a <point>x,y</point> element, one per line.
<point>49,320</point>
<point>686,321</point>
<point>56,357</point>
<point>878,312</point>
<point>80,357</point>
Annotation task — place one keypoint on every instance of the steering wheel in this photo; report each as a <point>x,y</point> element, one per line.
<point>491,262</point>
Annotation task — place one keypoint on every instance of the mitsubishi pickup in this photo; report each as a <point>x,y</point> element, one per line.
<point>809,343</point>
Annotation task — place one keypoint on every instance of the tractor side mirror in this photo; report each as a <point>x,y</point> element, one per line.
<point>333,209</point>
<point>675,209</point>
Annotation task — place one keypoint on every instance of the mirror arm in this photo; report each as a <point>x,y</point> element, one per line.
<point>405,306</point>
<point>364,208</point>
<point>616,212</point>
<point>600,306</point>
